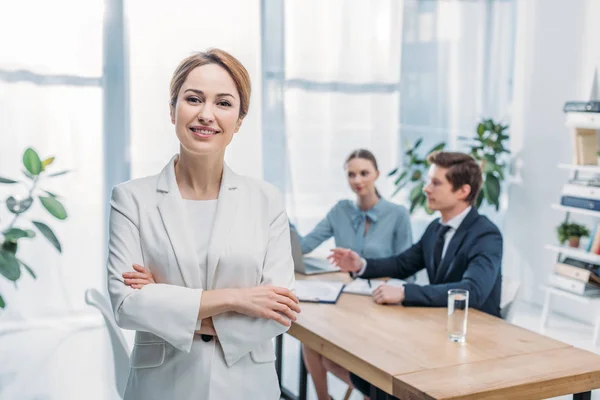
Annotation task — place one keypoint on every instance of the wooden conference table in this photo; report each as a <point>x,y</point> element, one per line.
<point>405,352</point>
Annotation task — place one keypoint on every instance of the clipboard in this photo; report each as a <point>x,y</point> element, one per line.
<point>319,291</point>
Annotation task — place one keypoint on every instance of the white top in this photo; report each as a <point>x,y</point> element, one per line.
<point>201,216</point>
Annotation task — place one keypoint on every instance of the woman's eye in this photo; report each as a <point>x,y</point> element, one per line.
<point>225,103</point>
<point>193,100</point>
<point>364,173</point>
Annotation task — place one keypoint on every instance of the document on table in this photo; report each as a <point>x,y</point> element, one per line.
<point>361,286</point>
<point>319,291</point>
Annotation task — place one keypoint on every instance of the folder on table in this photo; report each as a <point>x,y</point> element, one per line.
<point>319,291</point>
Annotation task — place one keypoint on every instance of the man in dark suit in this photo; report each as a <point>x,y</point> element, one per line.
<point>460,250</point>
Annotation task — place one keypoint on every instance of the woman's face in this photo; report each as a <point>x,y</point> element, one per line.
<point>207,110</point>
<point>361,176</point>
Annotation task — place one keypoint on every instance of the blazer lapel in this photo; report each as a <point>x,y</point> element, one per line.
<point>454,245</point>
<point>172,211</point>
<point>227,205</point>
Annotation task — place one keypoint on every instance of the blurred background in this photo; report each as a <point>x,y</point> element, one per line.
<point>87,82</point>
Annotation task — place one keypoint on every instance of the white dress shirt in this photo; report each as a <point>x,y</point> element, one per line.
<point>453,223</point>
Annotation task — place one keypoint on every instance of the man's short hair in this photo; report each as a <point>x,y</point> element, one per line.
<point>463,169</point>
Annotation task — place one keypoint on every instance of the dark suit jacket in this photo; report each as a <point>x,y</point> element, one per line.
<point>472,261</point>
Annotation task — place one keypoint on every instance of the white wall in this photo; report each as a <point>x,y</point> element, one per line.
<point>554,63</point>
<point>163,33</point>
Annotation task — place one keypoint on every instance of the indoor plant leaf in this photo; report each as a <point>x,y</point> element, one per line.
<point>27,269</point>
<point>6,180</point>
<point>59,173</point>
<point>47,232</point>
<point>18,206</point>
<point>9,266</point>
<point>392,172</point>
<point>14,234</point>
<point>47,162</point>
<point>32,162</point>
<point>2,303</point>
<point>54,207</point>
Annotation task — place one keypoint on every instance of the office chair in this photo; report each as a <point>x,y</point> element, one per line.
<point>510,292</point>
<point>119,346</point>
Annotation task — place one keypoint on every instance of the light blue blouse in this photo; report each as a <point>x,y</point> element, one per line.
<point>389,232</point>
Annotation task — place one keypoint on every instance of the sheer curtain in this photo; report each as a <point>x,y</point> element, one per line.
<point>156,45</point>
<point>51,100</point>
<point>350,74</point>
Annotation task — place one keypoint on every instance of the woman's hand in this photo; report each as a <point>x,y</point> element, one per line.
<point>138,279</point>
<point>269,302</point>
<point>207,327</point>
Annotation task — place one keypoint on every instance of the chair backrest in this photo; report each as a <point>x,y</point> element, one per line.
<point>510,292</point>
<point>120,347</point>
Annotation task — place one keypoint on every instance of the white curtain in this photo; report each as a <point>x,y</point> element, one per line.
<point>372,74</point>
<point>157,44</point>
<point>51,100</point>
<point>342,68</point>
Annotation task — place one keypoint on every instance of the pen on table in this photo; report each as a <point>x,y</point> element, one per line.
<point>369,282</point>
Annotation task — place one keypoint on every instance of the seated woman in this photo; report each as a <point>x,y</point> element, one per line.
<point>371,226</point>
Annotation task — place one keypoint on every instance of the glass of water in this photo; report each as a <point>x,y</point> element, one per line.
<point>458,310</point>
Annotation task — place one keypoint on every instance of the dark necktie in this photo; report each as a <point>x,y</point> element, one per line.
<point>439,244</point>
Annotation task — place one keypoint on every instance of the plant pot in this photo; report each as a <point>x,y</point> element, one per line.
<point>574,242</point>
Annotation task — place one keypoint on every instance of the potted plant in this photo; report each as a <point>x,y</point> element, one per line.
<point>487,146</point>
<point>36,173</point>
<point>572,232</point>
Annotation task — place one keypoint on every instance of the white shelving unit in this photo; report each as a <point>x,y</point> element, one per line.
<point>575,121</point>
<point>576,210</point>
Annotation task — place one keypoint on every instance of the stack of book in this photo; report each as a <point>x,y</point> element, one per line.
<point>576,276</point>
<point>581,194</point>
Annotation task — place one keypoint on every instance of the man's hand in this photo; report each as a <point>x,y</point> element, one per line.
<point>387,294</point>
<point>346,259</point>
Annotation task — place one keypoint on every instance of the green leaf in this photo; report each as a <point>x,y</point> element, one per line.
<point>2,303</point>
<point>417,201</point>
<point>479,200</point>
<point>18,207</point>
<point>437,147</point>
<point>32,162</point>
<point>9,266</point>
<point>416,191</point>
<point>27,269</point>
<point>396,191</point>
<point>6,180</point>
<point>47,232</point>
<point>10,246</point>
<point>14,234</point>
<point>416,175</point>
<point>492,189</point>
<point>480,129</point>
<point>47,162</point>
<point>51,194</point>
<point>392,172</point>
<point>54,207</point>
<point>418,143</point>
<point>402,176</point>
<point>59,173</point>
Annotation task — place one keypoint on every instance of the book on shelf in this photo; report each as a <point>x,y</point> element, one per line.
<point>582,106</point>
<point>585,146</point>
<point>578,270</point>
<point>594,242</point>
<point>581,191</point>
<point>573,285</point>
<point>578,202</point>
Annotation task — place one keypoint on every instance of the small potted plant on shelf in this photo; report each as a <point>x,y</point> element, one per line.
<point>572,232</point>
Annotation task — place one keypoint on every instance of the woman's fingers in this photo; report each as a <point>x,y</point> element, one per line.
<point>135,275</point>
<point>285,292</point>
<point>289,303</point>
<point>137,281</point>
<point>139,268</point>
<point>283,309</point>
<point>275,316</point>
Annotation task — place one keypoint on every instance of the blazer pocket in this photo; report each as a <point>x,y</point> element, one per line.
<point>147,355</point>
<point>263,353</point>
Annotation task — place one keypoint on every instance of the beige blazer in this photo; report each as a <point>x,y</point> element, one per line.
<point>249,246</point>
